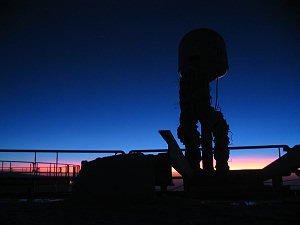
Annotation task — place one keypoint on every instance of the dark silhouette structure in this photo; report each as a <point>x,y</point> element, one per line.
<point>202,59</point>
<point>123,178</point>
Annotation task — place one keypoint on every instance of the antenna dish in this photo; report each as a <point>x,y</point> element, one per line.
<point>203,51</point>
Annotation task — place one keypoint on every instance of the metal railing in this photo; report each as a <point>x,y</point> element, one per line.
<point>39,168</point>
<point>64,169</point>
<point>46,168</point>
<point>70,171</point>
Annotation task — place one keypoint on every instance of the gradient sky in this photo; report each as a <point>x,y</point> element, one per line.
<point>103,74</point>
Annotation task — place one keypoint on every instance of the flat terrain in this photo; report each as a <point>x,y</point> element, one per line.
<point>164,210</point>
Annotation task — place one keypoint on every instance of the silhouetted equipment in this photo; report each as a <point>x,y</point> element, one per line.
<point>202,58</point>
<point>135,175</point>
<point>234,183</point>
<point>123,177</point>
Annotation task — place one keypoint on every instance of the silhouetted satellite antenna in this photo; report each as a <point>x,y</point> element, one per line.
<point>202,58</point>
<point>203,49</point>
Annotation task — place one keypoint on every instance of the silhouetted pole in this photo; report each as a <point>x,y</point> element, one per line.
<point>68,170</point>
<point>56,163</point>
<point>74,171</point>
<point>34,164</point>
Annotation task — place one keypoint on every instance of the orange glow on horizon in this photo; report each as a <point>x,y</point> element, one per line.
<point>235,163</point>
<point>175,173</point>
<point>240,163</point>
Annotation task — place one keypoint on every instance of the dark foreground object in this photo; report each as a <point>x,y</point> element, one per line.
<point>167,210</point>
<point>122,178</point>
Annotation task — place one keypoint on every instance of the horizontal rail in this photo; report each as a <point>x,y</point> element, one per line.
<point>62,151</point>
<point>285,148</point>
<point>150,151</point>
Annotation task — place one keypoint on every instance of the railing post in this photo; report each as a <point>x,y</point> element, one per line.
<point>10,169</point>
<point>56,163</point>
<point>279,153</point>
<point>68,170</point>
<point>34,164</point>
<point>74,172</point>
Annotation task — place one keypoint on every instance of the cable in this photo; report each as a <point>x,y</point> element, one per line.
<point>217,86</point>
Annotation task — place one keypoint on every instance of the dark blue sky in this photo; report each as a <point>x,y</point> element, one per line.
<point>103,74</point>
